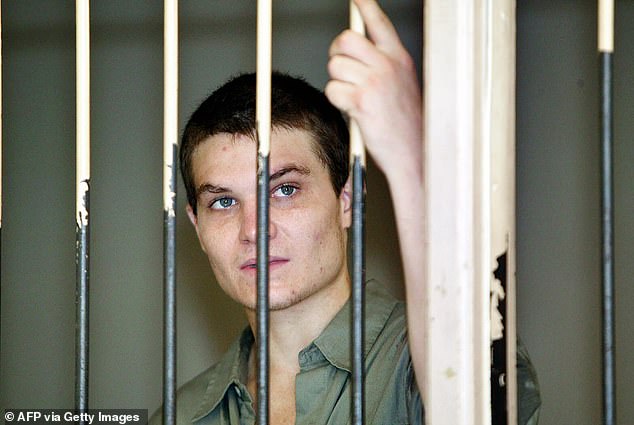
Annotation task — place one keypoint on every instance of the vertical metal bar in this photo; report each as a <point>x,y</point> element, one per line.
<point>170,144</point>
<point>263,130</point>
<point>358,301</point>
<point>0,126</point>
<point>357,156</point>
<point>82,199</point>
<point>606,48</point>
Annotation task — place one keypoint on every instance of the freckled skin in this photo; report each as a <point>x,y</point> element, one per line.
<point>308,226</point>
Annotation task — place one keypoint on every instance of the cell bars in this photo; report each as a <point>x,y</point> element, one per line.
<point>357,160</point>
<point>0,125</point>
<point>82,184</point>
<point>83,195</point>
<point>170,146</point>
<point>263,131</point>
<point>357,155</point>
<point>606,49</point>
<point>455,352</point>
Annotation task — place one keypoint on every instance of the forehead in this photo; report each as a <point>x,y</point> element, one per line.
<point>224,156</point>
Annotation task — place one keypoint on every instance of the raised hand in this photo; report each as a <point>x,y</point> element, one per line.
<point>374,81</point>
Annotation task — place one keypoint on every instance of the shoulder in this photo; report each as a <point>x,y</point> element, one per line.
<point>527,387</point>
<point>189,397</point>
<point>390,380</point>
<point>386,322</point>
<point>202,394</point>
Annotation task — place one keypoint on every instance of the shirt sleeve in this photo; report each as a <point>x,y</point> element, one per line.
<point>529,400</point>
<point>415,409</point>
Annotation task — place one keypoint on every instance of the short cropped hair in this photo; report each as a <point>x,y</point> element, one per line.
<point>295,105</point>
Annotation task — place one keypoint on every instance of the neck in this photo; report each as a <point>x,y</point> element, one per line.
<point>293,328</point>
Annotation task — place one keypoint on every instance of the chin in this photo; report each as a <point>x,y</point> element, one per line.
<point>277,301</point>
<point>282,294</point>
<point>283,304</point>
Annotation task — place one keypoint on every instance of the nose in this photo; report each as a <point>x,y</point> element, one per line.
<point>249,224</point>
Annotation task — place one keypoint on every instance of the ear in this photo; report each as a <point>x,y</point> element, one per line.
<point>345,202</point>
<point>192,216</point>
<point>194,220</point>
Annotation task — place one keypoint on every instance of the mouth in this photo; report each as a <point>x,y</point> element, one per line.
<point>251,263</point>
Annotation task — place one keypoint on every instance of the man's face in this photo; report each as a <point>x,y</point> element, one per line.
<point>308,221</point>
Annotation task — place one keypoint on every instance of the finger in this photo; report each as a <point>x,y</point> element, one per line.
<point>378,25</point>
<point>347,69</point>
<point>341,94</point>
<point>354,45</point>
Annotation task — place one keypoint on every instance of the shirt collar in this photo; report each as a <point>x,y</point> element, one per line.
<point>232,369</point>
<point>334,341</point>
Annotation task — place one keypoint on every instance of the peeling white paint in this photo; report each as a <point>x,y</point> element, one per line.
<point>170,201</point>
<point>357,148</point>
<point>82,24</point>
<point>170,104</point>
<point>497,320</point>
<point>169,193</point>
<point>83,189</point>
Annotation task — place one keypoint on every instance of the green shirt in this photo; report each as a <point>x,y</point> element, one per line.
<point>219,395</point>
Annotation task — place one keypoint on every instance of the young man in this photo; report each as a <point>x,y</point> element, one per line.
<point>374,82</point>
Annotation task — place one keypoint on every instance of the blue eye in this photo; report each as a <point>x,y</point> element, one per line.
<point>285,190</point>
<point>222,203</point>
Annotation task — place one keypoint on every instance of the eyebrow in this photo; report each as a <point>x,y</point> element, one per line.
<point>290,168</point>
<point>210,188</point>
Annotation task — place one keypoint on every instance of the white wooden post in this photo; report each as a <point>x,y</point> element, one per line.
<point>501,123</point>
<point>469,57</point>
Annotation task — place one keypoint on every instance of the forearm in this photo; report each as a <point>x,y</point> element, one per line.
<point>406,183</point>
<point>374,80</point>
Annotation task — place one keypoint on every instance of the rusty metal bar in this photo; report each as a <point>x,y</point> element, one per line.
<point>0,125</point>
<point>358,299</point>
<point>263,130</point>
<point>606,49</point>
<point>82,13</point>
<point>170,146</point>
<point>357,157</point>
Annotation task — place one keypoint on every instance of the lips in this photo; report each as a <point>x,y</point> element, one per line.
<point>251,263</point>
